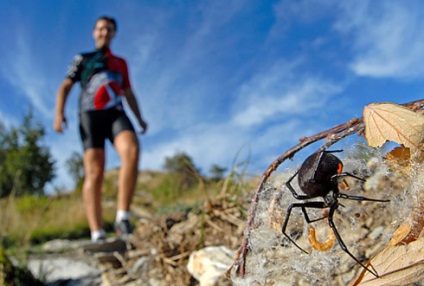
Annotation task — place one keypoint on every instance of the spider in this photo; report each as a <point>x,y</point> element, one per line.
<point>318,177</point>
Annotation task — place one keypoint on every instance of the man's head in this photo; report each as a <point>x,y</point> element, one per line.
<point>104,31</point>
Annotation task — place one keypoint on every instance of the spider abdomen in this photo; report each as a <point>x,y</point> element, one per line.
<point>315,174</point>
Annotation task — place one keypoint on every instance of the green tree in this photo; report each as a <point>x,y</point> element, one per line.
<point>217,172</point>
<point>183,167</point>
<point>25,164</point>
<point>75,166</point>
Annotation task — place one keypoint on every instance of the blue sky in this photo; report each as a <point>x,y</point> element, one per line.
<point>214,77</point>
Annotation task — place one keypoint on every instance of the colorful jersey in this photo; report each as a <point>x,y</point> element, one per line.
<point>103,77</point>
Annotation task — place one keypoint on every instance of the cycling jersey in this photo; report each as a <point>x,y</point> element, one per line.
<point>103,77</point>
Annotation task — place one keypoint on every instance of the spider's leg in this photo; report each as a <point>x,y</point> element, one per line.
<point>296,195</point>
<point>313,205</point>
<point>332,151</point>
<point>303,206</point>
<point>354,198</point>
<point>360,198</point>
<point>345,174</point>
<point>342,244</point>
<point>308,220</point>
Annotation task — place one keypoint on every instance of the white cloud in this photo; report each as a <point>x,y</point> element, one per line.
<point>384,37</point>
<point>208,144</point>
<point>178,71</point>
<point>229,143</point>
<point>21,69</point>
<point>281,91</point>
<point>177,59</point>
<point>266,117</point>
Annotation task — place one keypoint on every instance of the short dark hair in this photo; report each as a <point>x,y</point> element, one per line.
<point>109,19</point>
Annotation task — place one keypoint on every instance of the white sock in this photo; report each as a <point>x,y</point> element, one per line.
<point>95,235</point>
<point>122,215</point>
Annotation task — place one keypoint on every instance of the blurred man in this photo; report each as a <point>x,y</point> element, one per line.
<point>104,83</point>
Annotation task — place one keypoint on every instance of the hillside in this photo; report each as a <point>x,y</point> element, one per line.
<point>168,236</point>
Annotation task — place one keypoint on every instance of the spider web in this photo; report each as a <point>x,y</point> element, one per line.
<point>365,227</point>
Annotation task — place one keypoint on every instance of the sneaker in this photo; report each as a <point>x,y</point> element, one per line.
<point>100,239</point>
<point>98,236</point>
<point>123,228</point>
<point>107,245</point>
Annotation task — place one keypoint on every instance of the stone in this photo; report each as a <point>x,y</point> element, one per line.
<point>209,265</point>
<point>53,269</point>
<point>57,245</point>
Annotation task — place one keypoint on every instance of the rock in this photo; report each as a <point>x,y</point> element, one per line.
<point>210,264</point>
<point>53,269</point>
<point>57,245</point>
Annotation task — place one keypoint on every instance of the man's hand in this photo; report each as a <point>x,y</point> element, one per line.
<point>144,126</point>
<point>62,94</point>
<point>59,123</point>
<point>132,103</point>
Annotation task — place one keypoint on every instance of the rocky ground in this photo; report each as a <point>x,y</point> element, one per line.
<point>157,254</point>
<point>165,249</point>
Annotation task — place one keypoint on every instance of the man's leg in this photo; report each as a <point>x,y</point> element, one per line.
<point>94,161</point>
<point>126,144</point>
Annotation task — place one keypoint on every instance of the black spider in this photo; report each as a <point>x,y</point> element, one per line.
<point>318,177</point>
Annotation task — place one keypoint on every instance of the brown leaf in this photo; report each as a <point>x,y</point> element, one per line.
<point>344,186</point>
<point>396,265</point>
<point>399,159</point>
<point>400,233</point>
<point>392,122</point>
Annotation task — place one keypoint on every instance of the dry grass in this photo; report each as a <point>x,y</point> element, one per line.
<point>30,219</point>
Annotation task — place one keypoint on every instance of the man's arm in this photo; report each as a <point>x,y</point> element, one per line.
<point>62,95</point>
<point>132,103</point>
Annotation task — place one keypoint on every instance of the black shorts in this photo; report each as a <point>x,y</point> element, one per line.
<point>97,126</point>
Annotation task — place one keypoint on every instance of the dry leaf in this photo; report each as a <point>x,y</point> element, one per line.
<point>392,122</point>
<point>343,185</point>
<point>399,160</point>
<point>396,265</point>
<point>400,233</point>
<point>276,215</point>
<point>276,220</point>
<point>321,246</point>
<point>416,210</point>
